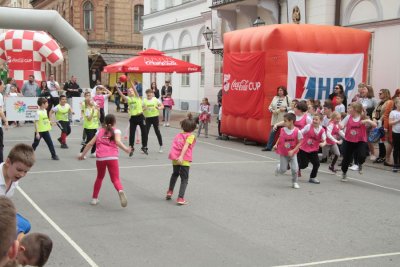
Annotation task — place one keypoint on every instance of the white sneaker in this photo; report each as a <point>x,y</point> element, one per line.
<point>122,199</point>
<point>278,167</point>
<point>372,157</point>
<point>354,167</point>
<point>167,124</point>
<point>164,124</point>
<point>160,150</point>
<point>94,201</point>
<point>93,155</point>
<point>296,186</point>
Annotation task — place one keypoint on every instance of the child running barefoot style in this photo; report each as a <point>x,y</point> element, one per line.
<point>394,121</point>
<point>62,112</point>
<point>181,156</point>
<point>107,141</point>
<point>151,107</point>
<point>355,138</point>
<point>135,110</point>
<point>204,117</point>
<point>333,134</point>
<point>287,146</point>
<point>90,122</point>
<point>43,127</point>
<point>314,137</point>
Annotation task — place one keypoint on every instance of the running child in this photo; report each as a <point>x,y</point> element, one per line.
<point>181,156</point>
<point>107,141</point>
<point>135,110</point>
<point>43,127</point>
<point>90,122</point>
<point>151,107</point>
<point>333,134</point>
<point>355,139</point>
<point>100,99</point>
<point>394,121</point>
<point>287,147</point>
<point>168,103</point>
<point>62,112</point>
<point>204,117</point>
<point>314,137</point>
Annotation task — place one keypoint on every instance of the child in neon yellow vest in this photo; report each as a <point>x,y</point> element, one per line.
<point>137,119</point>
<point>90,121</point>
<point>151,107</point>
<point>43,127</point>
<point>62,112</point>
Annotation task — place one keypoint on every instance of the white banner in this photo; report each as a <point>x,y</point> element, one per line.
<point>21,108</point>
<point>312,75</point>
<point>24,108</point>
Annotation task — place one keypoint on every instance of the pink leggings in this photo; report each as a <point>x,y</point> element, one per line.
<point>113,169</point>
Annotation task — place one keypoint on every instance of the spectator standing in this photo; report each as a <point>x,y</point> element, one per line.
<point>30,88</point>
<point>10,82</point>
<point>338,91</point>
<point>73,90</point>
<point>54,88</point>
<point>167,88</point>
<point>155,90</point>
<point>139,87</point>
<point>45,92</point>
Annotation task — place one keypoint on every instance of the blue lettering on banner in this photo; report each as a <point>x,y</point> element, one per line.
<point>321,88</point>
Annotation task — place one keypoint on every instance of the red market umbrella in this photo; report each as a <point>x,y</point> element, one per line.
<point>151,61</point>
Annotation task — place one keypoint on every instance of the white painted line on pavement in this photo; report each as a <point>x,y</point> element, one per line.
<point>341,260</point>
<point>58,229</point>
<point>160,165</point>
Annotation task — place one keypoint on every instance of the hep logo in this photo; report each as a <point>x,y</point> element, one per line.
<point>226,83</point>
<point>321,88</point>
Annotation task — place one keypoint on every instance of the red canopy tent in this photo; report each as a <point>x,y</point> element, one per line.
<point>152,60</point>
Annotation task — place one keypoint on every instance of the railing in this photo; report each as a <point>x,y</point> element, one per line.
<point>223,2</point>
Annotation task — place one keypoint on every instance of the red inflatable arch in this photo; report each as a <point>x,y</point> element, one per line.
<point>258,60</point>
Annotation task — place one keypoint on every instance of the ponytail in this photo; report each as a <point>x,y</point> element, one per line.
<point>109,122</point>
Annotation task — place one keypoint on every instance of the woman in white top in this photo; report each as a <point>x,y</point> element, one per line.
<point>279,106</point>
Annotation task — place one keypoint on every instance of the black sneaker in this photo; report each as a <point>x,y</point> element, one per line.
<point>131,153</point>
<point>64,146</point>
<point>266,149</point>
<point>145,150</point>
<point>55,157</point>
<point>59,140</point>
<point>360,169</point>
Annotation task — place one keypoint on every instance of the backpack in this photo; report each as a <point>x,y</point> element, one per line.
<point>376,134</point>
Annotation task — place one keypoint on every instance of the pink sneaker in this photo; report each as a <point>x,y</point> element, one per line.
<point>181,201</point>
<point>169,195</point>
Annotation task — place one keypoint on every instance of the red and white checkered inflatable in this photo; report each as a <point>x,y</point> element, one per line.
<point>26,53</point>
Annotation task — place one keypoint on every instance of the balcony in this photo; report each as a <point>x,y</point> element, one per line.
<point>216,3</point>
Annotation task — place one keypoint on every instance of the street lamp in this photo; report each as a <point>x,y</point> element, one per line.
<point>209,37</point>
<point>258,22</point>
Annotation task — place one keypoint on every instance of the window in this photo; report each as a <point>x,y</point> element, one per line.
<point>185,77</point>
<point>202,64</point>
<point>88,18</point>
<point>218,62</point>
<point>137,18</point>
<point>106,18</point>
<point>153,6</point>
<point>169,3</point>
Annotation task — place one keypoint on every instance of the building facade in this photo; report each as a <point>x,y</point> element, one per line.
<point>176,26</point>
<point>112,29</point>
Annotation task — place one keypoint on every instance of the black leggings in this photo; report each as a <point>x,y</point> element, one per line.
<point>155,122</point>
<point>135,121</point>
<point>396,149</point>
<point>90,133</point>
<point>183,172</point>
<point>357,150</point>
<point>304,158</point>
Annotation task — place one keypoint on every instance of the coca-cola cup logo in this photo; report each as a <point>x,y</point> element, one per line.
<point>159,61</point>
<point>245,85</point>
<point>19,60</point>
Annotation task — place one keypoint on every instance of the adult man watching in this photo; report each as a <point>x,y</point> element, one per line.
<point>72,88</point>
<point>54,88</point>
<point>30,88</point>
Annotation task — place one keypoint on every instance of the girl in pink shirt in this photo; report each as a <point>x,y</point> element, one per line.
<point>314,137</point>
<point>355,138</point>
<point>107,141</point>
<point>100,98</point>
<point>181,156</point>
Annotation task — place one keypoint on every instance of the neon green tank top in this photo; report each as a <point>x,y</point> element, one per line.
<point>151,108</point>
<point>135,105</point>
<point>94,122</point>
<point>62,112</point>
<point>43,124</point>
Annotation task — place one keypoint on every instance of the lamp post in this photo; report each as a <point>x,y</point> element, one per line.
<point>209,37</point>
<point>258,22</point>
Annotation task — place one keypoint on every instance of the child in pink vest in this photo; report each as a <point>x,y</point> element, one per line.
<point>314,137</point>
<point>355,138</point>
<point>302,118</point>
<point>287,147</point>
<point>168,103</point>
<point>333,134</point>
<point>181,156</point>
<point>99,99</point>
<point>107,141</point>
